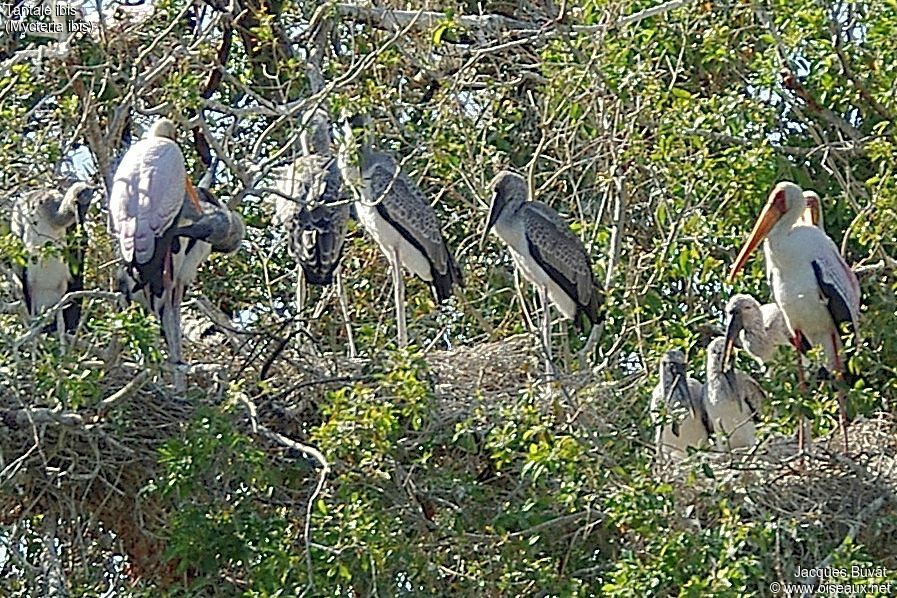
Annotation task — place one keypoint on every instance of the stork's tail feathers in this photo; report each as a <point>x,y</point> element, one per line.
<point>443,283</point>
<point>593,311</point>
<point>320,275</point>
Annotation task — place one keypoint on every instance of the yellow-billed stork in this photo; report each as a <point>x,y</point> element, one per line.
<point>760,329</point>
<point>165,229</point>
<point>811,283</point>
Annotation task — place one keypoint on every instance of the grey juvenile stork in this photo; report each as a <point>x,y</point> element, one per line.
<point>546,251</point>
<point>677,409</point>
<point>397,215</point>
<point>42,218</point>
<point>314,213</point>
<point>312,185</point>
<point>165,228</point>
<point>759,329</point>
<point>732,399</point>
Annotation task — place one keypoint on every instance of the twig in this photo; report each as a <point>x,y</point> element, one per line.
<point>107,403</point>
<point>851,534</point>
<point>50,314</point>
<point>310,452</point>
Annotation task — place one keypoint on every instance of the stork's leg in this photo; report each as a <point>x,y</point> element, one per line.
<point>170,317</point>
<point>546,329</point>
<point>842,399</point>
<point>344,307</point>
<point>399,292</point>
<point>587,349</point>
<point>60,329</point>
<point>301,291</point>
<point>803,431</point>
<point>522,298</point>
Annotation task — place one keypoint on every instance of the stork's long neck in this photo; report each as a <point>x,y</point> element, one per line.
<point>715,367</point>
<point>61,212</point>
<point>753,328</point>
<point>504,224</point>
<point>781,228</point>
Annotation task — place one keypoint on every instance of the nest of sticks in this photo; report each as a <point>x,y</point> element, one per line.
<point>837,499</point>
<point>87,468</point>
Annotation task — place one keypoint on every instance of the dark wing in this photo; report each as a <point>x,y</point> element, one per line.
<point>839,285</point>
<point>316,227</point>
<point>750,390</point>
<point>76,249</point>
<point>562,255</point>
<point>317,241</point>
<point>400,202</point>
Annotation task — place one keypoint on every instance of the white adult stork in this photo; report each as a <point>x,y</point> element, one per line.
<point>677,409</point>
<point>397,215</point>
<point>811,283</point>
<point>732,399</point>
<point>546,251</point>
<point>42,219</point>
<point>761,329</point>
<point>165,231</point>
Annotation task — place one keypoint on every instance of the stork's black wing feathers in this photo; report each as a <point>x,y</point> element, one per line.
<point>442,282</point>
<point>399,201</point>
<point>150,274</point>
<point>560,253</point>
<point>837,304</point>
<point>318,240</point>
<point>76,247</point>
<point>591,310</point>
<point>26,292</point>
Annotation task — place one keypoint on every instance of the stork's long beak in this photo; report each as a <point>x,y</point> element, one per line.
<point>490,222</point>
<point>194,198</point>
<point>678,370</point>
<point>734,326</point>
<point>768,218</point>
<point>87,193</point>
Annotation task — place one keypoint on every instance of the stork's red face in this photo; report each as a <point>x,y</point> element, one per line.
<point>814,211</point>
<point>781,200</point>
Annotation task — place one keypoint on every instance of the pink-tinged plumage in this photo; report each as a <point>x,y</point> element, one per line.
<point>811,283</point>
<point>147,194</point>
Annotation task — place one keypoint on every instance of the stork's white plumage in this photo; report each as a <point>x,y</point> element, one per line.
<point>42,218</point>
<point>677,409</point>
<point>164,231</point>
<point>811,283</point>
<point>732,399</point>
